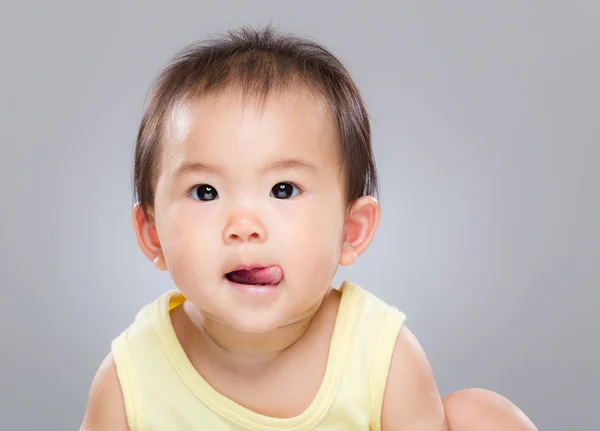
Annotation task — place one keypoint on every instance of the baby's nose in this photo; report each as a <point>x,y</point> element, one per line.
<point>244,229</point>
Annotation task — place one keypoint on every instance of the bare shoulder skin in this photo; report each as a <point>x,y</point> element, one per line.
<point>412,401</point>
<point>105,409</point>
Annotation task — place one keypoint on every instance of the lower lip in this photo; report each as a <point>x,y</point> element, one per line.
<point>253,290</point>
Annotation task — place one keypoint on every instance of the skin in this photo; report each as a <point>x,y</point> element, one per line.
<point>239,342</point>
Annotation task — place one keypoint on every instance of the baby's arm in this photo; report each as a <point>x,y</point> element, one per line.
<point>106,408</point>
<point>412,401</point>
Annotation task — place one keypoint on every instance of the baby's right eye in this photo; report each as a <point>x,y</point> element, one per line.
<point>204,192</point>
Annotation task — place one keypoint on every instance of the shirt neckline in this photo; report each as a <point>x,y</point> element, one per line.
<point>238,414</point>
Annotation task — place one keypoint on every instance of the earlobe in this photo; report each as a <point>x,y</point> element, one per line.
<point>147,237</point>
<point>360,226</point>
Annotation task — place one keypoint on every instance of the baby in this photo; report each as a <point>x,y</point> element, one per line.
<point>255,178</point>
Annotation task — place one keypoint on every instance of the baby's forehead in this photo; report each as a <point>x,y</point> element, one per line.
<point>285,119</point>
<point>291,100</point>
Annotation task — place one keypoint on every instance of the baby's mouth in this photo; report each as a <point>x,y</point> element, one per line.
<point>263,276</point>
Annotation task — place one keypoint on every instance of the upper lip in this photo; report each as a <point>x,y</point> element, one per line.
<point>247,267</point>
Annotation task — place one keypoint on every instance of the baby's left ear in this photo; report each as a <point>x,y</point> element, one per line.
<point>360,226</point>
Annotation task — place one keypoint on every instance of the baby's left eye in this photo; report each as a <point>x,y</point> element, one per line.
<point>285,190</point>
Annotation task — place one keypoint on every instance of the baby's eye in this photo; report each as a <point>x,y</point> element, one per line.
<point>204,192</point>
<point>285,190</point>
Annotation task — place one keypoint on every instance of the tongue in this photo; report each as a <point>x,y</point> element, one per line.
<point>268,275</point>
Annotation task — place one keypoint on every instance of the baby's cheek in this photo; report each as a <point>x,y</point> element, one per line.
<point>191,255</point>
<point>318,247</point>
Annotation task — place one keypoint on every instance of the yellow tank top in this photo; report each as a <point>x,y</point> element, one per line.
<point>164,392</point>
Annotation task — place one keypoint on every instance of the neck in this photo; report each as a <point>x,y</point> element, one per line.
<point>239,348</point>
<point>255,348</point>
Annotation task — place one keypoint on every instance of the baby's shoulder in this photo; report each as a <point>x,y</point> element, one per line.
<point>370,312</point>
<point>365,329</point>
<point>149,315</point>
<point>400,381</point>
<point>106,408</point>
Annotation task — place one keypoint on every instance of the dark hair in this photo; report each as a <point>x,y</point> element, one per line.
<point>257,61</point>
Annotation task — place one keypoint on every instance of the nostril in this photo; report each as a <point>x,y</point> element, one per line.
<point>240,236</point>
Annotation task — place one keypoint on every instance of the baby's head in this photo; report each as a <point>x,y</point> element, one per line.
<point>254,177</point>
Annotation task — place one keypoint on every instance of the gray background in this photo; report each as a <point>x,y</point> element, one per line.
<point>485,118</point>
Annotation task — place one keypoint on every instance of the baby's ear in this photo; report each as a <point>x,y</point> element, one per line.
<point>147,236</point>
<point>359,228</point>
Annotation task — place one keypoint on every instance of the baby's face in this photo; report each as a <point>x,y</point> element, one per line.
<point>243,186</point>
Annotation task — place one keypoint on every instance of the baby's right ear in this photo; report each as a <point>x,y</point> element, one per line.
<point>147,236</point>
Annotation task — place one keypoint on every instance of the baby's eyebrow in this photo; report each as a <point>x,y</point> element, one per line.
<point>186,168</point>
<point>281,165</point>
